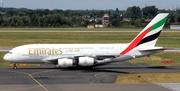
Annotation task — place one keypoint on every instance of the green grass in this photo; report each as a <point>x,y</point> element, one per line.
<point>175,56</point>
<point>169,39</point>
<point>166,39</point>
<point>2,62</point>
<point>148,78</point>
<point>15,39</point>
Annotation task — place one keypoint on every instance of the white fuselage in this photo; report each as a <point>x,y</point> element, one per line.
<point>50,53</point>
<point>35,53</point>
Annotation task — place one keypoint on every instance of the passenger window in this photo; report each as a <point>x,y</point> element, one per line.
<point>10,52</point>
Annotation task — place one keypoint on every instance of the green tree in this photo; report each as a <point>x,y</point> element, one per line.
<point>1,21</point>
<point>115,22</point>
<point>149,11</point>
<point>26,20</point>
<point>117,10</point>
<point>133,12</point>
<point>138,23</point>
<point>176,17</point>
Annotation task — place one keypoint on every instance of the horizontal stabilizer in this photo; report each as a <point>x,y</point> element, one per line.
<point>150,49</point>
<point>171,49</point>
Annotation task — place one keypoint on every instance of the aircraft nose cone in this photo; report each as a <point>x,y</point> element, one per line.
<point>6,57</point>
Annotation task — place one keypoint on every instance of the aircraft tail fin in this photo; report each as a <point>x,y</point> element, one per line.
<point>149,35</point>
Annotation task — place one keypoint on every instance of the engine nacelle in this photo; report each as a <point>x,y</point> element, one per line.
<point>65,62</point>
<point>86,61</point>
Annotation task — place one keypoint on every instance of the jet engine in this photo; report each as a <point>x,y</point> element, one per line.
<point>86,61</point>
<point>65,62</point>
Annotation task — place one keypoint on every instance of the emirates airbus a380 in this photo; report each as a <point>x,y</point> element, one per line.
<point>91,55</point>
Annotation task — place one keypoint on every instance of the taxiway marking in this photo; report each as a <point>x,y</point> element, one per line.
<point>31,75</point>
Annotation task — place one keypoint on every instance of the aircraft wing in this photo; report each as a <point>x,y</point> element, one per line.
<point>54,59</point>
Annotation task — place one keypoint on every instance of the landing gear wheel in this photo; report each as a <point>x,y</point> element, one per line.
<point>15,67</point>
<point>93,67</point>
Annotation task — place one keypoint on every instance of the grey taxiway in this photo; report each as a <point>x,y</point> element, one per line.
<point>102,78</point>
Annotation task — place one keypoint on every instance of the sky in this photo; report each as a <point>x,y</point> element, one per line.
<point>89,4</point>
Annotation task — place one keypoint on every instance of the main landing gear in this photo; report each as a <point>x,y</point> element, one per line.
<point>14,66</point>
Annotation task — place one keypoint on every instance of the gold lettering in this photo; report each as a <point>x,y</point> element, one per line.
<point>78,50</point>
<point>58,51</point>
<point>30,53</point>
<point>52,51</point>
<point>73,50</point>
<point>67,50</point>
<point>48,51</point>
<point>45,51</point>
<point>37,51</point>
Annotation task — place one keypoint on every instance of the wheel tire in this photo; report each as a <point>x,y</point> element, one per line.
<point>15,67</point>
<point>93,67</point>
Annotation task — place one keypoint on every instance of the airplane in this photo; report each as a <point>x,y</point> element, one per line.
<point>91,55</point>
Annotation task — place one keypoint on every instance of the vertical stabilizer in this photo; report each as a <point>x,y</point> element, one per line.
<point>149,35</point>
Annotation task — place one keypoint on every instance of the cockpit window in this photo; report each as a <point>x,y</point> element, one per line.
<point>9,52</point>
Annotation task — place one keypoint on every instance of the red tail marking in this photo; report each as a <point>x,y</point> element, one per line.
<point>136,41</point>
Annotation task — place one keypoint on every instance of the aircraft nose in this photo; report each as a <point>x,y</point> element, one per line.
<point>7,57</point>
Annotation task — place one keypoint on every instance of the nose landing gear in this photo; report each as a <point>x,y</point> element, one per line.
<point>14,66</point>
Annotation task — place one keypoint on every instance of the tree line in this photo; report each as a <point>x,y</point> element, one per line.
<point>23,17</point>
